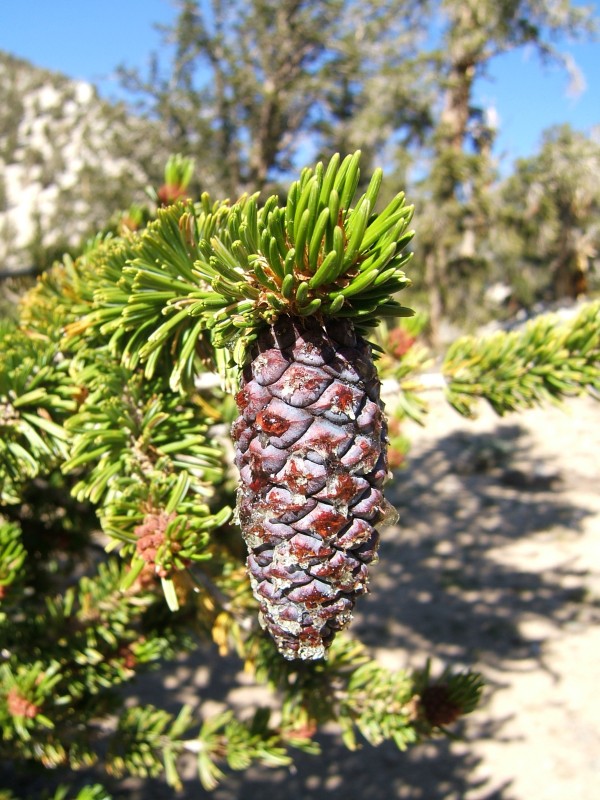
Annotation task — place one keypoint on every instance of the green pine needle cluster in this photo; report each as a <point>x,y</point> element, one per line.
<point>199,281</point>
<point>142,453</point>
<point>36,396</point>
<point>546,361</point>
<point>321,253</point>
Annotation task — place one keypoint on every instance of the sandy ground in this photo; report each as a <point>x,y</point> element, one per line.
<point>495,565</point>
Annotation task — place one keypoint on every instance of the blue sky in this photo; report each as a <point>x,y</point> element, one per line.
<point>87,39</point>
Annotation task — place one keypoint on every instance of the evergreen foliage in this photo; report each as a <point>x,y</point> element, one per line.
<point>550,217</point>
<point>100,381</point>
<point>548,360</point>
<point>119,545</point>
<point>98,427</point>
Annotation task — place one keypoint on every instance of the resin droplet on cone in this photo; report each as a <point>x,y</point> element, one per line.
<point>311,450</point>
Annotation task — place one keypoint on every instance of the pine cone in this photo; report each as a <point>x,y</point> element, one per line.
<point>311,450</point>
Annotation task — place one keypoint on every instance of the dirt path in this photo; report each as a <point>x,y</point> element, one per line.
<point>494,564</point>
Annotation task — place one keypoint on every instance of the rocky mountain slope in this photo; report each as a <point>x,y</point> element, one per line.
<point>68,161</point>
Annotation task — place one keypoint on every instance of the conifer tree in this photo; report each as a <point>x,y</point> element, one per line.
<point>551,205</point>
<point>459,209</point>
<point>115,433</point>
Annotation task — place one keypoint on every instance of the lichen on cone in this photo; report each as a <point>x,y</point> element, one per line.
<point>311,450</point>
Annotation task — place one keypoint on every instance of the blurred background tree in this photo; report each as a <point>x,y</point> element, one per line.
<point>253,87</point>
<point>458,208</point>
<point>551,210</point>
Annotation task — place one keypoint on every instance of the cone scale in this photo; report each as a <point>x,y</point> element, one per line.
<point>311,450</point>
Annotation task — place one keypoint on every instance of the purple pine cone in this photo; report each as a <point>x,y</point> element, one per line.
<point>311,450</point>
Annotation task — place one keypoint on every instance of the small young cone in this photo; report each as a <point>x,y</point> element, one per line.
<point>311,450</point>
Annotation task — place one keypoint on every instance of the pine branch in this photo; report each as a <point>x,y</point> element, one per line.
<point>547,361</point>
<point>145,303</point>
<point>151,463</point>
<point>150,741</point>
<point>64,660</point>
<point>349,689</point>
<point>35,398</point>
<point>207,275</point>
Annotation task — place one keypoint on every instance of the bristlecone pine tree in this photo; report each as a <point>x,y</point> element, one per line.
<point>295,288</point>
